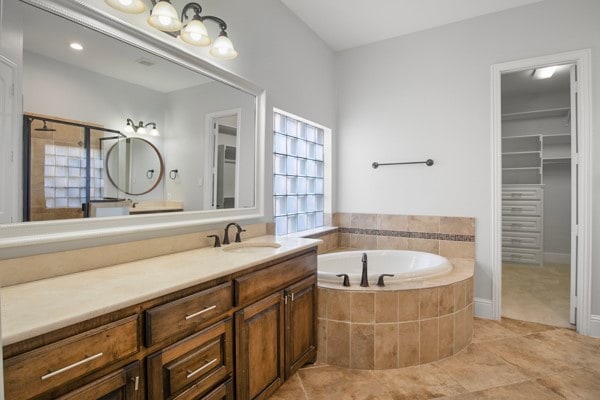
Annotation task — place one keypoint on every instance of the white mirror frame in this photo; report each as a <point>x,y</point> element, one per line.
<point>22,239</point>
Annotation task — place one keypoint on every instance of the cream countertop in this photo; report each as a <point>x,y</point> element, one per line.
<point>33,308</point>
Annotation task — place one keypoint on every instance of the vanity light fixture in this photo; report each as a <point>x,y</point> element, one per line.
<point>544,73</point>
<point>164,17</point>
<point>140,128</point>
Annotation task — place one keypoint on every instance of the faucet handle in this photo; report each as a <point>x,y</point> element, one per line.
<point>217,240</point>
<point>238,238</point>
<point>380,280</point>
<point>346,281</point>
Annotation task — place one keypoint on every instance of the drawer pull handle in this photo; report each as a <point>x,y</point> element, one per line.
<point>68,367</point>
<point>192,373</point>
<point>207,309</point>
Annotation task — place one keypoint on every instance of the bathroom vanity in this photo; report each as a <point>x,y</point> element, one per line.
<point>211,323</point>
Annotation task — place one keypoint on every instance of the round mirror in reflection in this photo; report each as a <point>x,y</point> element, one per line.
<point>134,166</point>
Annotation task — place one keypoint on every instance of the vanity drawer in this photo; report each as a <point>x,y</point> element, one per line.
<point>35,372</point>
<point>259,284</point>
<point>193,366</point>
<point>522,224</point>
<point>521,255</point>
<point>521,240</point>
<point>187,314</point>
<point>533,193</point>
<point>525,208</point>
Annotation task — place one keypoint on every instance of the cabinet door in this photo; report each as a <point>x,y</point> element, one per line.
<point>259,348</point>
<point>123,384</point>
<point>300,325</point>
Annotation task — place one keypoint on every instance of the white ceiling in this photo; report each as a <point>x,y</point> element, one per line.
<point>344,24</point>
<point>522,83</point>
<point>49,35</point>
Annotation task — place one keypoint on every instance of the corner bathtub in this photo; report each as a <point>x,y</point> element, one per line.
<point>403,264</point>
<point>423,314</point>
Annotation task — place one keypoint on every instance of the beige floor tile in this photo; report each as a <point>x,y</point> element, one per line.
<point>580,384</point>
<point>518,391</point>
<point>290,390</point>
<point>537,294</point>
<point>576,350</point>
<point>476,368</point>
<point>524,327</point>
<point>529,357</point>
<point>486,330</point>
<point>418,383</point>
<point>341,384</point>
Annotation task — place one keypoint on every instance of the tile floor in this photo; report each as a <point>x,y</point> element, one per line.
<point>536,294</point>
<point>509,360</point>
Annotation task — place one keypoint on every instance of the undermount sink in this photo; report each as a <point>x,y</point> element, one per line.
<point>252,247</point>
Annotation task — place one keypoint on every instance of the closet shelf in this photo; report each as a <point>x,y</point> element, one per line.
<point>551,112</point>
<point>522,169</point>
<point>556,160</point>
<point>512,153</point>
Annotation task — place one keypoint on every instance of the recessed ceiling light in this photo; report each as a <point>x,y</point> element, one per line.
<point>76,46</point>
<point>544,73</point>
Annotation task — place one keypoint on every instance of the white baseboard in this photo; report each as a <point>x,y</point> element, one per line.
<point>558,258</point>
<point>483,308</point>
<point>595,326</point>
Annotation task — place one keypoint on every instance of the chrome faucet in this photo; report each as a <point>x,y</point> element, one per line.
<point>364,280</point>
<point>238,238</point>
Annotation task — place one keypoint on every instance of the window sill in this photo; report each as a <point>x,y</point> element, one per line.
<point>320,231</point>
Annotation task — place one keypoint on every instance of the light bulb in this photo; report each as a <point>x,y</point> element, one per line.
<point>195,33</point>
<point>223,48</point>
<point>164,17</point>
<point>128,129</point>
<point>128,6</point>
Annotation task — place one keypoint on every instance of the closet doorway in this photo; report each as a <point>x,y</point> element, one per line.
<point>542,209</point>
<point>538,136</point>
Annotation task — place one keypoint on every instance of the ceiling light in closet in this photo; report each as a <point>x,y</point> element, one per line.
<point>544,73</point>
<point>128,6</point>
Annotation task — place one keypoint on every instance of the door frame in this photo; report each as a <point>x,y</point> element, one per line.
<point>582,58</point>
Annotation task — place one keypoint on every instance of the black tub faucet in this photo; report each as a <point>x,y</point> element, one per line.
<point>364,280</point>
<point>238,238</point>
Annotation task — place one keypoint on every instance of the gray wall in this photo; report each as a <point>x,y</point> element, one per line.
<point>428,95</point>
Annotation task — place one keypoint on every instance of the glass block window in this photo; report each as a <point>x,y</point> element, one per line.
<point>298,173</point>
<point>65,176</point>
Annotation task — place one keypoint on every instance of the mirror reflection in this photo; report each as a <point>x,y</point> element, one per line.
<point>133,165</point>
<point>96,92</point>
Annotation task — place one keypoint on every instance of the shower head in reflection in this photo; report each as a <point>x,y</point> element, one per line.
<point>45,128</point>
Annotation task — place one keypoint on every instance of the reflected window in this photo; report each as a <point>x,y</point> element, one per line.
<point>298,173</point>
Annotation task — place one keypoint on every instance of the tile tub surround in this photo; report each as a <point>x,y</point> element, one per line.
<point>388,329</point>
<point>452,237</point>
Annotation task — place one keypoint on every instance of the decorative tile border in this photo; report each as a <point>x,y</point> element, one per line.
<point>407,234</point>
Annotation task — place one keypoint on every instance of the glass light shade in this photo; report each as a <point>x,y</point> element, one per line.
<point>154,132</point>
<point>128,6</point>
<point>141,130</point>
<point>223,49</point>
<point>164,17</point>
<point>128,129</point>
<point>195,33</point>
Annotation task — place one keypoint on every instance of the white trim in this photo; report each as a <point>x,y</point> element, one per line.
<point>210,153</point>
<point>557,258</point>
<point>17,240</point>
<point>595,326</point>
<point>483,308</point>
<point>584,119</point>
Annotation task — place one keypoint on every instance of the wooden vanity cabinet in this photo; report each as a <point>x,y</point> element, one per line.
<point>275,336</point>
<point>237,337</point>
<point>122,384</point>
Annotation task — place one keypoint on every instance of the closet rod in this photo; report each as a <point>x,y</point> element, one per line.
<point>428,162</point>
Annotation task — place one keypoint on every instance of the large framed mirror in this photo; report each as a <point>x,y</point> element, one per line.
<point>118,77</point>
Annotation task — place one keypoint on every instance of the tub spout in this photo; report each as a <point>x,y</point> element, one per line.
<point>364,280</point>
